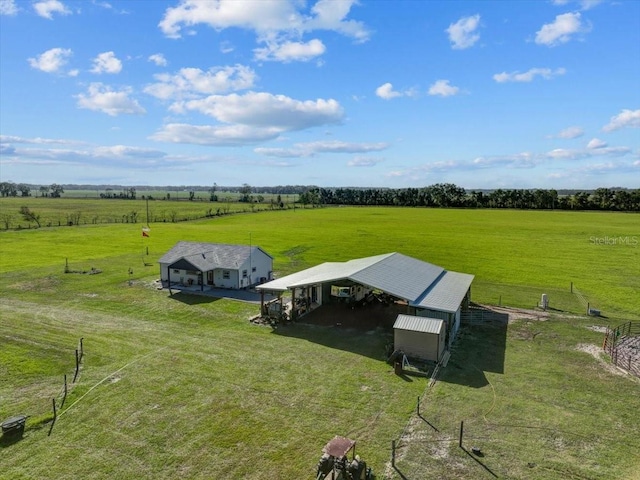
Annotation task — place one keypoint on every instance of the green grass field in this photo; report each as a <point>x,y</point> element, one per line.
<point>187,387</point>
<point>77,210</point>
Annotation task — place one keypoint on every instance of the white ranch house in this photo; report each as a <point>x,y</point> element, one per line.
<point>215,265</point>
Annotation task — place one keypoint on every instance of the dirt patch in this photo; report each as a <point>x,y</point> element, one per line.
<point>514,314</point>
<point>597,328</point>
<point>597,353</point>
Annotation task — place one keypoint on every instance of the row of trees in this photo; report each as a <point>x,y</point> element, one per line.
<point>10,189</point>
<point>450,195</point>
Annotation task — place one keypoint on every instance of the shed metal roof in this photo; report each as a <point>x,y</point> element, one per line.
<point>420,283</point>
<point>418,324</point>
<point>207,256</point>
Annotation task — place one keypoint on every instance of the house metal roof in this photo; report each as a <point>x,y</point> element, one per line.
<point>418,324</point>
<point>420,283</point>
<point>207,256</point>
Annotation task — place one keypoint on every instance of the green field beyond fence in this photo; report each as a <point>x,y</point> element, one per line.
<point>186,387</point>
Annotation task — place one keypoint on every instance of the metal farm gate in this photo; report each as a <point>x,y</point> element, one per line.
<point>622,343</point>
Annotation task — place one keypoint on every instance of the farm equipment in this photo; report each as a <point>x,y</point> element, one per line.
<point>14,426</point>
<point>334,463</point>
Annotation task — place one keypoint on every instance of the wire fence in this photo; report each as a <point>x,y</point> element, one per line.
<point>57,402</point>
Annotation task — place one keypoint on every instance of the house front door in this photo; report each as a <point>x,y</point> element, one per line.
<point>210,277</point>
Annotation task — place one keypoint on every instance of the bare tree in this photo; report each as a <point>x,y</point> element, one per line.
<point>6,219</point>
<point>29,215</point>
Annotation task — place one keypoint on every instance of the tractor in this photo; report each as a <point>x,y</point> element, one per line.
<point>334,463</point>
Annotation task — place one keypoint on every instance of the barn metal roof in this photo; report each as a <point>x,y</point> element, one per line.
<point>420,283</point>
<point>418,324</point>
<point>447,293</point>
<point>207,256</point>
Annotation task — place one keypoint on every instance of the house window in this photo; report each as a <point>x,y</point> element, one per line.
<point>244,274</point>
<point>253,269</point>
<point>226,274</point>
<point>175,270</point>
<point>192,272</point>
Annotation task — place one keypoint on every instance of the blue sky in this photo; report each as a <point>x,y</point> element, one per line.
<point>483,94</point>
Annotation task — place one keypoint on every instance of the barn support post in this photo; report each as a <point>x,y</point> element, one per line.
<point>262,302</point>
<point>294,313</point>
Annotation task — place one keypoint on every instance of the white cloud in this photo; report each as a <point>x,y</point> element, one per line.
<point>227,135</point>
<point>52,60</point>
<point>193,82</point>
<point>529,75</point>
<point>331,15</point>
<point>570,132</point>
<point>266,110</point>
<point>279,24</point>
<point>35,140</point>
<point>443,89</point>
<point>311,148</point>
<point>561,30</point>
<point>420,172</point>
<point>336,146</point>
<point>281,152</point>
<point>462,34</point>
<point>158,59</point>
<point>226,47</point>
<point>517,160</point>
<point>596,143</point>
<point>364,162</point>
<point>47,8</point>
<point>102,98</point>
<point>290,51</point>
<point>106,62</point>
<point>8,7</point>
<point>249,118</point>
<point>387,92</point>
<point>584,4</point>
<point>626,118</point>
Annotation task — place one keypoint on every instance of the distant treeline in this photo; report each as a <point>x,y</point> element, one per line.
<point>438,195</point>
<point>450,195</point>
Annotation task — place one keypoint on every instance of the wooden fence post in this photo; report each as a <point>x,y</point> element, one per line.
<point>75,375</point>
<point>55,415</point>
<point>393,453</point>
<point>418,407</point>
<point>461,432</point>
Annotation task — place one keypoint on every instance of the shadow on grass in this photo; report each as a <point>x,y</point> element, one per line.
<point>480,347</point>
<point>402,476</point>
<point>8,439</point>
<point>479,462</point>
<point>193,299</point>
<point>350,340</point>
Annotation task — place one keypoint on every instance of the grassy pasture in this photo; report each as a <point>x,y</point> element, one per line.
<point>55,212</point>
<point>183,387</point>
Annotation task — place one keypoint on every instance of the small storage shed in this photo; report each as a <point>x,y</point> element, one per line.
<point>420,337</point>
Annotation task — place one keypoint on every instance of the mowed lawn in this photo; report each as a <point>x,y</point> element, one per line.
<point>186,387</point>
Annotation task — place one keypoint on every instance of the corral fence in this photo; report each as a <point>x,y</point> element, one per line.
<point>622,343</point>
